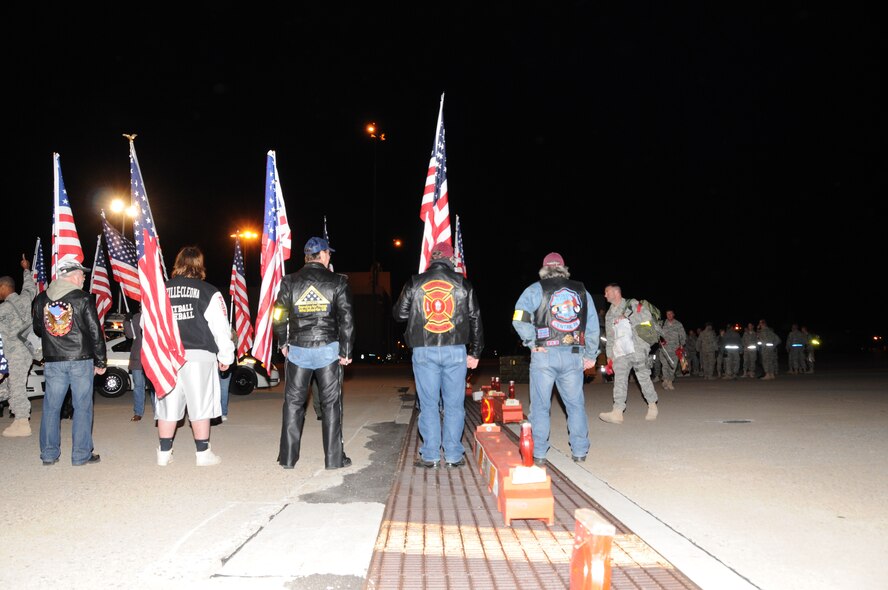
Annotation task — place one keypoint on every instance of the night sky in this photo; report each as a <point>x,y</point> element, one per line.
<point>725,162</point>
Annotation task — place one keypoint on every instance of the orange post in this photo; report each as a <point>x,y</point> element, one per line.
<point>590,564</point>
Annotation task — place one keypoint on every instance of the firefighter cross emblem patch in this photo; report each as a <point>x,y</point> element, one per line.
<point>437,306</point>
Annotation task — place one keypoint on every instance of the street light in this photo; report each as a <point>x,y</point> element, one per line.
<point>376,135</point>
<point>118,206</point>
<point>246,237</point>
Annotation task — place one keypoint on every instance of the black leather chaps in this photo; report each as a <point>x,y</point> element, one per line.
<point>296,392</point>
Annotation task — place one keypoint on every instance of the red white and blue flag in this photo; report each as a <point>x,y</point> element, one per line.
<point>275,250</point>
<point>100,284</point>
<point>435,210</point>
<point>239,302</point>
<point>124,260</point>
<point>38,267</point>
<point>64,233</point>
<point>162,351</point>
<point>458,255</point>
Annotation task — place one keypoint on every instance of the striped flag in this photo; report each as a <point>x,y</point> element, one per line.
<point>162,352</point>
<point>38,267</point>
<point>327,237</point>
<point>64,234</point>
<point>459,257</point>
<point>275,250</point>
<point>239,302</point>
<point>435,211</point>
<point>124,260</point>
<point>100,284</point>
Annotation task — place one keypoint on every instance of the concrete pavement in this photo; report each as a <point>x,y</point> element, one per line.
<point>791,498</point>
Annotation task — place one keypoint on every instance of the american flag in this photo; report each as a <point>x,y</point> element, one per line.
<point>275,250</point>
<point>124,260</point>
<point>435,211</point>
<point>39,267</point>
<point>64,234</point>
<point>327,237</point>
<point>458,255</point>
<point>162,353</point>
<point>100,284</point>
<point>239,302</point>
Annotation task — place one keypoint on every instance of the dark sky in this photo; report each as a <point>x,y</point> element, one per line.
<point>726,162</point>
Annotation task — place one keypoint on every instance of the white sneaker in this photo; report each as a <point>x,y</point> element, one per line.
<point>225,418</point>
<point>164,458</point>
<point>207,458</point>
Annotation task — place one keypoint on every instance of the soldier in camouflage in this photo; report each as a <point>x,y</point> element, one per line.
<point>15,315</point>
<point>674,337</point>
<point>732,344</point>
<point>707,346</point>
<point>750,350</point>
<point>795,348</point>
<point>769,341</point>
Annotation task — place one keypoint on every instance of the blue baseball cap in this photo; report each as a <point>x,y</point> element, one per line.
<point>316,244</point>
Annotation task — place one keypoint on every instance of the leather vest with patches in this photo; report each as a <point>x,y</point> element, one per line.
<point>560,320</point>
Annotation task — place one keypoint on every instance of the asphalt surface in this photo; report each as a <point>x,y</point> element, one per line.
<point>740,484</point>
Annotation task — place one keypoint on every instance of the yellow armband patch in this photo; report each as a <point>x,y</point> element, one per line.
<point>521,316</point>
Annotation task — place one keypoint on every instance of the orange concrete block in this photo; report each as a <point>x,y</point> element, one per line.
<point>527,501</point>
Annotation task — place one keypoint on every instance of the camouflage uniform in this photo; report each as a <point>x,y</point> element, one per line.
<point>795,347</point>
<point>750,351</point>
<point>769,341</point>
<point>732,344</point>
<point>693,357</point>
<point>675,336</point>
<point>15,314</point>
<point>707,346</point>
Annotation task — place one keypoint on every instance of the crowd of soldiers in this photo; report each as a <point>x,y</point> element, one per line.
<point>730,353</point>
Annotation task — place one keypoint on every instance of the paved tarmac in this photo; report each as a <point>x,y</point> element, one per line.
<point>739,484</point>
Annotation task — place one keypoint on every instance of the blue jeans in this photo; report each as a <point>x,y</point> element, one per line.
<point>561,367</point>
<point>224,382</point>
<point>440,373</point>
<point>59,375</point>
<point>139,392</point>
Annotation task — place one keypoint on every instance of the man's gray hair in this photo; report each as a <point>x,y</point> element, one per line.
<point>7,281</point>
<point>553,272</point>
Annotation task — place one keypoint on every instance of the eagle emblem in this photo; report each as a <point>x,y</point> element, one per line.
<point>58,317</point>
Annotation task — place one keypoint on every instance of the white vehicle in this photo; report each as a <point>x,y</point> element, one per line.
<point>117,380</point>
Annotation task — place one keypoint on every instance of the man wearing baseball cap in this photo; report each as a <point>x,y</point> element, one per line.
<point>555,318</point>
<point>65,318</point>
<point>314,327</point>
<point>444,330</point>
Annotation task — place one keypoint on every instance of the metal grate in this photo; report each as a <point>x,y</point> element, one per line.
<point>442,530</point>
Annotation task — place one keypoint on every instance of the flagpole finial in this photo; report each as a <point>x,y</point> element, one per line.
<point>131,136</point>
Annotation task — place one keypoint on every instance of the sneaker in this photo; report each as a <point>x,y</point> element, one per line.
<point>19,427</point>
<point>427,464</point>
<point>225,418</point>
<point>579,459</point>
<point>50,462</point>
<point>164,458</point>
<point>455,464</point>
<point>207,458</point>
<point>540,461</point>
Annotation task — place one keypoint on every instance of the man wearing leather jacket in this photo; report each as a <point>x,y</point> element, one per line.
<point>65,318</point>
<point>314,326</point>
<point>444,330</point>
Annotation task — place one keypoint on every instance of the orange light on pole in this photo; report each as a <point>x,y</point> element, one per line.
<point>397,242</point>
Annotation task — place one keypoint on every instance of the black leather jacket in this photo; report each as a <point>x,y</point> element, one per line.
<point>441,309</point>
<point>314,308</point>
<point>69,327</point>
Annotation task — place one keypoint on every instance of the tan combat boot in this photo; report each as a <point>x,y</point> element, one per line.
<point>615,416</point>
<point>652,412</point>
<point>19,427</point>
